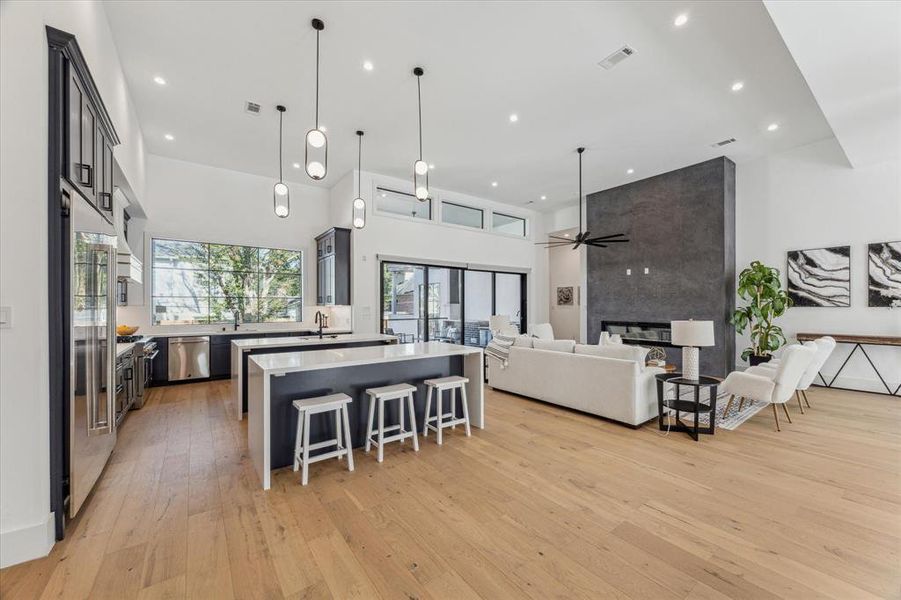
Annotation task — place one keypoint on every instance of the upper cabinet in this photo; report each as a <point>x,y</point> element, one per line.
<point>333,267</point>
<point>87,136</point>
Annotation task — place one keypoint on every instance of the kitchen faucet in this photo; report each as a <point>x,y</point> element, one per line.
<point>237,321</point>
<point>321,319</point>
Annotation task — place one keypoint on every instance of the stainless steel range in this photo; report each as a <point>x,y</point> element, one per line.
<point>145,351</point>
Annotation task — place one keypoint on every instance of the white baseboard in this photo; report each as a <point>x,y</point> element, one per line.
<point>27,543</point>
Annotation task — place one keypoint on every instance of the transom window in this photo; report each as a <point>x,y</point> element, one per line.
<point>509,224</point>
<point>458,214</point>
<point>201,282</point>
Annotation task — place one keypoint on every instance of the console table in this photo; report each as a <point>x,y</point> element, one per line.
<point>858,341</point>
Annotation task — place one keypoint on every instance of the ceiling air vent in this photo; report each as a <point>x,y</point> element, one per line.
<point>617,57</point>
<point>252,108</point>
<point>722,143</point>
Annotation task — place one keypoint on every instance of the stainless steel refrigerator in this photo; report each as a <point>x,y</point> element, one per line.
<point>92,419</point>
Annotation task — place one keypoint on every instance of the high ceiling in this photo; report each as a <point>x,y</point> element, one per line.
<point>658,110</point>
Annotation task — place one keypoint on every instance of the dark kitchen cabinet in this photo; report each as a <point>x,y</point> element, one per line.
<point>220,361</point>
<point>160,366</point>
<point>333,267</point>
<point>89,149</point>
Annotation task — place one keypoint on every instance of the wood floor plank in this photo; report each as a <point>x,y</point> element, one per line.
<point>544,503</point>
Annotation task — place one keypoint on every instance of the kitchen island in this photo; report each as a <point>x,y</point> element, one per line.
<point>243,348</point>
<point>274,381</point>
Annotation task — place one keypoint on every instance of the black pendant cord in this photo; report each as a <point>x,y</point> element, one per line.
<point>317,79</point>
<point>359,163</point>
<point>280,113</point>
<point>580,150</point>
<point>419,101</point>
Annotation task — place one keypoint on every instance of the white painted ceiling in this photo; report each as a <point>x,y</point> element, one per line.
<point>659,110</point>
<point>850,55</point>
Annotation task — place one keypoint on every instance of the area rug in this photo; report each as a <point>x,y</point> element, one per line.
<point>730,420</point>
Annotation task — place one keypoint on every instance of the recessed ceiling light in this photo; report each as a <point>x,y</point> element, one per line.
<point>737,86</point>
<point>514,118</point>
<point>169,137</point>
<point>493,184</point>
<point>772,127</point>
<point>431,165</point>
<point>565,235</point>
<point>629,171</point>
<point>159,80</point>
<point>368,65</point>
<point>384,195</point>
<point>296,165</point>
<point>681,20</point>
<point>544,197</point>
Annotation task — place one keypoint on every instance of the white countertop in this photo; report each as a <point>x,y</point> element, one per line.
<point>123,348</point>
<point>280,342</point>
<point>289,362</point>
<point>230,332</point>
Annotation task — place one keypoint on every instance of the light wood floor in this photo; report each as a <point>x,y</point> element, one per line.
<point>545,503</point>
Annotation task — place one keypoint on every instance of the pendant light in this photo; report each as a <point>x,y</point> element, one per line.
<point>359,205</point>
<point>420,167</point>
<point>583,237</point>
<point>316,150</point>
<point>281,198</point>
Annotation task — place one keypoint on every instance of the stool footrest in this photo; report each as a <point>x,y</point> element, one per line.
<point>446,417</point>
<point>445,424</point>
<point>324,444</point>
<point>327,455</point>
<point>403,435</point>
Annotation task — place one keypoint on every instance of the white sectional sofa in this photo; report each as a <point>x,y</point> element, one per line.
<point>587,378</point>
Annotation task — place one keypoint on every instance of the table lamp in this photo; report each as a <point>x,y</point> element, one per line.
<point>691,335</point>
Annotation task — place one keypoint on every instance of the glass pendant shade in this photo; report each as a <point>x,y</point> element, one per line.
<point>420,167</point>
<point>281,196</point>
<point>316,154</point>
<point>358,208</point>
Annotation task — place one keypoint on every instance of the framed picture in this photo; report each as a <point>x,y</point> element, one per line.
<point>820,277</point>
<point>884,274</point>
<point>565,296</point>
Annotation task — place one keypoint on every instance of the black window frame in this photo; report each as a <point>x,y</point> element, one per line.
<point>525,222</point>
<point>427,202</point>
<point>458,205</point>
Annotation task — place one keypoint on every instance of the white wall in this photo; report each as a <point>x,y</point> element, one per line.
<point>808,197</point>
<point>25,521</point>
<point>565,270</point>
<point>399,237</point>
<point>201,203</point>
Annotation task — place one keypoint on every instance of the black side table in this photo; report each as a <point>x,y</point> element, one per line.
<point>679,405</point>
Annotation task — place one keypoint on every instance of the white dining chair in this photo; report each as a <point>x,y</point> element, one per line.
<point>824,347</point>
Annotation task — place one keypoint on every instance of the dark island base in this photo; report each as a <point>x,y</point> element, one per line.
<point>284,349</point>
<point>352,381</point>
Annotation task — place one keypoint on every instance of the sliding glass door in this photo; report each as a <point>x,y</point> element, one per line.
<point>450,304</point>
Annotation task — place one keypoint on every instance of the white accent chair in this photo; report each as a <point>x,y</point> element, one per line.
<point>774,390</point>
<point>824,347</point>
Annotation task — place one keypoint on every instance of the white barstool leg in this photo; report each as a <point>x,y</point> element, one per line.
<point>453,394</point>
<point>412,421</point>
<point>400,410</point>
<point>381,429</point>
<point>438,415</point>
<point>465,408</point>
<point>298,440</point>
<point>428,409</point>
<point>350,452</point>
<point>372,402</point>
<point>305,462</point>
<point>339,434</point>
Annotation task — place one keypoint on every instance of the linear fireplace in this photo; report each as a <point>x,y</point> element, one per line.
<point>640,332</point>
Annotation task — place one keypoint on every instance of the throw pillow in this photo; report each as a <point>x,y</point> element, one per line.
<point>523,341</point>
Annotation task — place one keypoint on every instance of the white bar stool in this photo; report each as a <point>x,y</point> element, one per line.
<point>380,395</point>
<point>336,403</point>
<point>441,418</point>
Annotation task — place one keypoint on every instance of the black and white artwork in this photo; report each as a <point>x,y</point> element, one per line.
<point>565,296</point>
<point>820,277</point>
<point>884,278</point>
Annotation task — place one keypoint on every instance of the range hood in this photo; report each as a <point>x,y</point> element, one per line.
<point>128,266</point>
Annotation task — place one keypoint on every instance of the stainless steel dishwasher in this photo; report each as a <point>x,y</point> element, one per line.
<point>189,358</point>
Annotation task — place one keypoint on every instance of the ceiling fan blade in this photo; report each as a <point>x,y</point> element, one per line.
<point>595,245</point>
<point>607,241</point>
<point>613,235</point>
<point>554,244</point>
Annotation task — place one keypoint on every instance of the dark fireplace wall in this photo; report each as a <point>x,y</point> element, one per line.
<point>682,229</point>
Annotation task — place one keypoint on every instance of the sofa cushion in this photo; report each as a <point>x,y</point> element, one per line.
<point>554,345</point>
<point>621,351</point>
<point>523,341</point>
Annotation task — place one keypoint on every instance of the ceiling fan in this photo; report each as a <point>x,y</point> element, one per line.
<point>583,237</point>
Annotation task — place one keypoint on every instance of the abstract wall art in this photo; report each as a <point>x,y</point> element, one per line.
<point>884,274</point>
<point>820,277</point>
<point>565,296</point>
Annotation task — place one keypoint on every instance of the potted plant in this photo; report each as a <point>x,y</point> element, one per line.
<point>761,287</point>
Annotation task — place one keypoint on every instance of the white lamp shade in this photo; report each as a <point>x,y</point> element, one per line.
<point>692,333</point>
